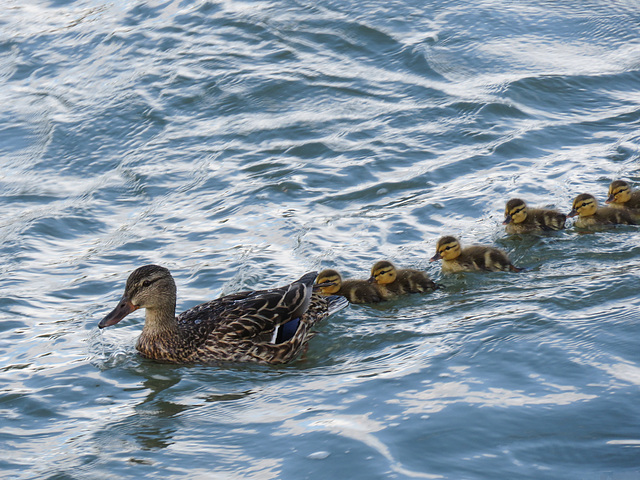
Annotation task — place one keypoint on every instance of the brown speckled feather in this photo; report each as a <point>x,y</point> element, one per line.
<point>239,327</point>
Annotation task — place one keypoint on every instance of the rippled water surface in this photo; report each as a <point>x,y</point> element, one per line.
<point>242,144</point>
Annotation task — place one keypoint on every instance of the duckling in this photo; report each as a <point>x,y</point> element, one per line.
<point>356,291</point>
<point>621,196</point>
<point>471,259</point>
<point>590,215</point>
<point>518,218</point>
<point>393,282</point>
<point>265,326</point>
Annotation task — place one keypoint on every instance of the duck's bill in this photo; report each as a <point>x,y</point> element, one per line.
<point>572,213</point>
<point>124,308</point>
<point>372,279</point>
<point>507,220</point>
<point>437,256</point>
<point>610,199</point>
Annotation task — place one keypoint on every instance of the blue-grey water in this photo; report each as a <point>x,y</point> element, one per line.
<point>242,144</point>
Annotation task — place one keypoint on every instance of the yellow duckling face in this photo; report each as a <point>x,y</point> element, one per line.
<point>332,277</point>
<point>383,272</point>
<point>619,192</point>
<point>515,211</point>
<point>584,205</point>
<point>447,248</point>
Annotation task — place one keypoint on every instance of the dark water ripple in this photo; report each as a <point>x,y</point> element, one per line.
<point>242,144</point>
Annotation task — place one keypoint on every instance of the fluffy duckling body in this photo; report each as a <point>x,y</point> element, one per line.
<point>471,259</point>
<point>592,216</point>
<point>356,291</point>
<point>266,326</point>
<point>518,218</point>
<point>622,196</point>
<point>394,282</point>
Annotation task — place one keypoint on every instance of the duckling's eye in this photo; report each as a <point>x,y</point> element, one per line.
<point>584,204</point>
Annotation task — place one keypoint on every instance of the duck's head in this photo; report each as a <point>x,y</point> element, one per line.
<point>515,211</point>
<point>447,248</point>
<point>383,272</point>
<point>619,192</point>
<point>331,277</point>
<point>583,205</point>
<point>147,287</point>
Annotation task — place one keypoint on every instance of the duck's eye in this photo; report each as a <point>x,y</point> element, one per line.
<point>584,204</point>
<point>146,283</point>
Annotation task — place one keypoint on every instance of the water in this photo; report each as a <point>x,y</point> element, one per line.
<point>242,144</point>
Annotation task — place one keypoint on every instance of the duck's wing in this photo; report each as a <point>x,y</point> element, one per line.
<point>260,313</point>
<point>547,220</point>
<point>284,349</point>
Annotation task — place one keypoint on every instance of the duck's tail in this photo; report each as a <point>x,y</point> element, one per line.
<point>321,307</point>
<point>335,303</point>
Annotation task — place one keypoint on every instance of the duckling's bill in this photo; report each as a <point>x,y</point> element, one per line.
<point>124,308</point>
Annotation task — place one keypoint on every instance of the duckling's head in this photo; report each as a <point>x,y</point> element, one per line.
<point>147,287</point>
<point>619,192</point>
<point>331,277</point>
<point>515,211</point>
<point>447,248</point>
<point>584,205</point>
<point>383,272</point>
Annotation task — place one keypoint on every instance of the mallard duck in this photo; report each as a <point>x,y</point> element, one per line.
<point>356,291</point>
<point>621,196</point>
<point>590,215</point>
<point>393,282</point>
<point>518,218</point>
<point>266,326</point>
<point>471,259</point>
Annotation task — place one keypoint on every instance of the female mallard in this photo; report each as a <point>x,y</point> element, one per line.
<point>356,291</point>
<point>471,259</point>
<point>394,282</point>
<point>621,196</point>
<point>518,218</point>
<point>590,215</point>
<point>267,326</point>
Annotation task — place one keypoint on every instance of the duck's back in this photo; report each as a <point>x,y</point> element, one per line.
<point>634,201</point>
<point>478,257</point>
<point>409,280</point>
<point>607,216</point>
<point>360,291</point>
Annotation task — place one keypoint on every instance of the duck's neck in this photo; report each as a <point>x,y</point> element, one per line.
<point>160,332</point>
<point>160,321</point>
